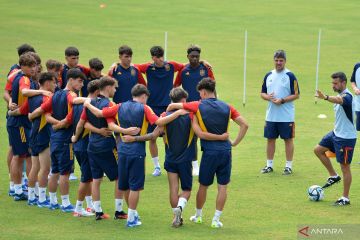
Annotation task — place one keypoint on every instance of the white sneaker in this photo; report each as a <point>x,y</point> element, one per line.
<point>195,172</point>
<point>73,177</point>
<point>157,172</point>
<point>177,222</point>
<point>196,219</point>
<point>83,213</point>
<point>216,224</point>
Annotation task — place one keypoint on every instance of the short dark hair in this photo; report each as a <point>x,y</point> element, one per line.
<point>176,94</point>
<point>125,49</point>
<point>339,75</point>
<point>207,84</point>
<point>36,56</point>
<point>157,51</point>
<point>192,48</point>
<point>106,81</point>
<point>53,64</point>
<point>139,90</point>
<point>24,48</point>
<point>71,51</point>
<point>46,76</point>
<point>96,64</point>
<point>93,86</point>
<point>75,73</point>
<point>280,54</point>
<point>27,59</point>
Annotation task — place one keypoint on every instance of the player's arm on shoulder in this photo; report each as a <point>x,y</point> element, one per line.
<point>162,121</point>
<point>94,110</point>
<point>206,135</point>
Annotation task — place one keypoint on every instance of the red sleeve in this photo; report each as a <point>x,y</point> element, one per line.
<point>47,106</point>
<point>234,113</point>
<point>111,70</point>
<point>150,115</point>
<point>83,115</point>
<point>110,112</point>
<point>177,66</point>
<point>24,83</point>
<point>70,99</point>
<point>10,79</point>
<point>24,109</point>
<point>191,115</point>
<point>142,67</point>
<point>178,79</point>
<point>84,69</point>
<point>211,74</point>
<point>8,85</point>
<point>141,79</point>
<point>192,106</point>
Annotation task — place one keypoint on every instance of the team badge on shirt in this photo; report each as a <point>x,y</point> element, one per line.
<point>202,72</point>
<point>119,73</point>
<point>167,67</point>
<point>133,72</point>
<point>187,73</point>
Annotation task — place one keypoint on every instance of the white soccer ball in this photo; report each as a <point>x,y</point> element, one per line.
<point>315,193</point>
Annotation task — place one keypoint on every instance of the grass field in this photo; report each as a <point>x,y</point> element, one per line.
<point>258,206</point>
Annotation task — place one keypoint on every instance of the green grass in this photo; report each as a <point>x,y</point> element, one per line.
<point>258,206</point>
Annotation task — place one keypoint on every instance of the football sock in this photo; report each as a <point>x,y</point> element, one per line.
<point>18,188</point>
<point>89,202</point>
<point>156,162</point>
<point>97,206</point>
<point>217,215</point>
<point>198,212</point>
<point>195,164</point>
<point>42,194</point>
<point>31,192</point>
<point>79,206</point>
<point>65,200</point>
<point>288,164</point>
<point>131,215</point>
<point>269,163</point>
<point>119,205</point>
<point>12,188</point>
<point>53,198</point>
<point>182,203</point>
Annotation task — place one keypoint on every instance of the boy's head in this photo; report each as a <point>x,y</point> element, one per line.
<point>125,55</point>
<point>75,77</point>
<point>28,64</point>
<point>93,87</point>
<point>72,56</point>
<point>96,66</point>
<point>140,92</point>
<point>108,84</point>
<point>178,95</point>
<point>193,54</point>
<point>48,81</point>
<point>157,55</point>
<point>206,87</point>
<point>38,62</point>
<point>24,48</point>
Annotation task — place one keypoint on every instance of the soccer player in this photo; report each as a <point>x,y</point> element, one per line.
<point>160,78</point>
<point>280,88</point>
<point>60,105</point>
<point>188,78</point>
<point>55,67</point>
<point>96,66</point>
<point>355,84</point>
<point>342,139</point>
<point>102,150</point>
<point>126,75</point>
<point>213,115</point>
<point>131,166</point>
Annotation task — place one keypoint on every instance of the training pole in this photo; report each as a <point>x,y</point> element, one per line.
<point>317,64</point>
<point>165,46</point>
<point>245,48</point>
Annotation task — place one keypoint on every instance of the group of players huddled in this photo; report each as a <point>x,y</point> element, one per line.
<point>72,111</point>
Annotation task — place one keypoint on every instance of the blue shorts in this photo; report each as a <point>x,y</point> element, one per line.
<point>343,148</point>
<point>286,130</point>
<point>131,172</point>
<point>83,160</point>
<point>37,149</point>
<point>215,162</point>
<point>62,157</point>
<point>19,137</point>
<point>357,121</point>
<point>184,170</point>
<point>103,162</point>
<point>158,111</point>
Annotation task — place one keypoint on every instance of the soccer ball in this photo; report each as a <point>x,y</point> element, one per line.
<point>315,193</point>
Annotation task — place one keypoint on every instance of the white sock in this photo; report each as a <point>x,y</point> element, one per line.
<point>269,163</point>
<point>334,176</point>
<point>131,215</point>
<point>217,215</point>
<point>31,193</point>
<point>42,194</point>
<point>345,198</point>
<point>182,203</point>
<point>119,205</point>
<point>79,206</point>
<point>288,164</point>
<point>89,202</point>
<point>12,188</point>
<point>195,164</point>
<point>37,188</point>
<point>18,188</point>
<point>65,201</point>
<point>97,206</point>
<point>136,213</point>
<point>53,198</point>
<point>156,162</point>
<point>198,212</point>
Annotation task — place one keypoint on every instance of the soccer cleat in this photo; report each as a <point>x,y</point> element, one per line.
<point>90,210</point>
<point>83,213</point>
<point>267,169</point>
<point>44,204</point>
<point>331,181</point>
<point>195,172</point>
<point>134,223</point>
<point>120,215</point>
<point>342,202</point>
<point>157,172</point>
<point>20,197</point>
<point>72,177</point>
<point>196,219</point>
<point>177,222</point>
<point>54,206</point>
<point>287,171</point>
<point>69,208</point>
<point>216,224</point>
<point>101,215</point>
<point>11,193</point>
<point>32,202</point>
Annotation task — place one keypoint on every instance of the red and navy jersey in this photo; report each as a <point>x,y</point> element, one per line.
<point>189,78</point>
<point>179,139</point>
<point>13,72</point>
<point>83,91</point>
<point>83,142</point>
<point>131,114</point>
<point>97,142</point>
<point>60,105</point>
<point>127,78</point>
<point>160,81</point>
<point>213,116</point>
<point>62,78</point>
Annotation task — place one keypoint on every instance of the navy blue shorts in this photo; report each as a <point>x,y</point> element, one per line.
<point>357,121</point>
<point>62,157</point>
<point>103,162</point>
<point>158,111</point>
<point>83,160</point>
<point>215,162</point>
<point>36,149</point>
<point>286,130</point>
<point>343,148</point>
<point>19,140</point>
<point>131,172</point>
<point>184,170</point>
